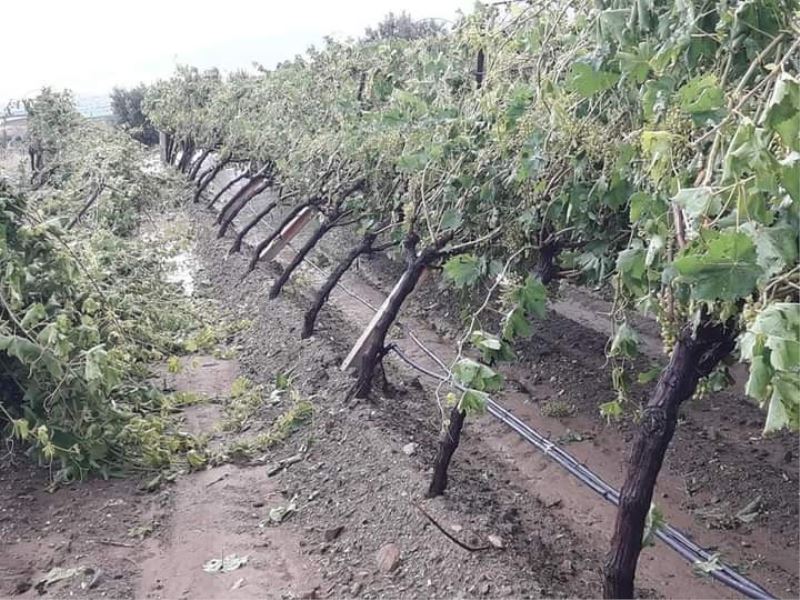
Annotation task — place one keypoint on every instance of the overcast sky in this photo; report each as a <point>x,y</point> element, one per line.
<point>90,46</point>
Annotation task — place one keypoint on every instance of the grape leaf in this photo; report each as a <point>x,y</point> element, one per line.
<point>657,145</point>
<point>532,297</point>
<point>626,342</point>
<point>779,323</point>
<point>476,376</point>
<point>473,401</point>
<point>790,175</point>
<point>587,82</point>
<point>463,270</point>
<point>776,247</point>
<point>784,406</point>
<point>515,325</point>
<point>783,112</point>
<point>698,202</point>
<point>760,377</point>
<point>701,94</point>
<point>727,270</point>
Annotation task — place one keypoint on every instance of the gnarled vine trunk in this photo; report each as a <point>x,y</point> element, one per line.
<point>321,297</point>
<point>172,149</point>
<point>226,187</point>
<point>243,192</point>
<point>206,180</point>
<point>201,177</point>
<point>237,243</point>
<point>546,268</point>
<point>692,358</point>
<point>195,167</point>
<point>237,208</point>
<point>448,442</point>
<point>262,245</point>
<point>375,348</point>
<point>186,156</point>
<point>298,258</point>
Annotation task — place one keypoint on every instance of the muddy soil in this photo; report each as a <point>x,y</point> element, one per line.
<point>359,529</point>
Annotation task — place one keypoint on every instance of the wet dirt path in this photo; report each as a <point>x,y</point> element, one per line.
<point>220,512</point>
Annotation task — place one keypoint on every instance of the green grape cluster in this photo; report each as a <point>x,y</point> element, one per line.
<point>702,389</point>
<point>678,124</point>
<point>669,328</point>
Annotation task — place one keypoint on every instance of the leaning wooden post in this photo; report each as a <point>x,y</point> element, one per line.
<point>286,235</point>
<point>366,335</point>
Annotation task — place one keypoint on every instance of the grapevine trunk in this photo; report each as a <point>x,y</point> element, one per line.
<point>225,188</point>
<point>298,258</point>
<point>237,243</point>
<point>448,442</point>
<point>322,295</point>
<point>693,357</point>
<point>375,349</point>
<point>235,210</point>
<point>277,231</point>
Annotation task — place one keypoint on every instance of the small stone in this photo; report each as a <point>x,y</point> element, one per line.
<point>308,595</point>
<point>388,557</point>
<point>566,566</point>
<point>456,528</point>
<point>409,448</point>
<point>22,586</point>
<point>496,541</point>
<point>332,534</point>
<point>483,589</point>
<point>355,589</point>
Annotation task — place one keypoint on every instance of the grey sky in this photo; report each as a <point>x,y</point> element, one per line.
<point>91,45</point>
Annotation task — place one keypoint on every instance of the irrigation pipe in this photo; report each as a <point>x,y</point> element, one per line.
<point>666,533</point>
<point>672,537</point>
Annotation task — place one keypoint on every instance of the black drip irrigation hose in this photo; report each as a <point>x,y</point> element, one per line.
<point>673,538</point>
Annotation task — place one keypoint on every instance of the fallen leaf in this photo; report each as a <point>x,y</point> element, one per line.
<point>57,574</point>
<point>226,564</point>
<point>279,513</point>
<point>495,541</point>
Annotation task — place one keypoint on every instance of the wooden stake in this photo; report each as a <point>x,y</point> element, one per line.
<point>363,340</point>
<point>286,235</point>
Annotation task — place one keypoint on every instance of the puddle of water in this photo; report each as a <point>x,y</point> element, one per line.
<point>182,269</point>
